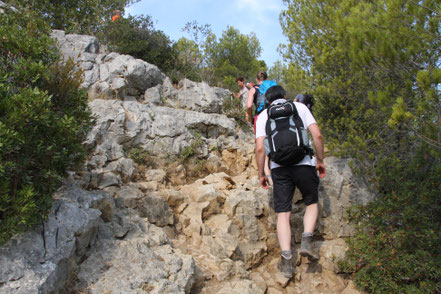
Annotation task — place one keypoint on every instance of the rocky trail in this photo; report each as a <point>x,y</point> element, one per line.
<point>169,200</point>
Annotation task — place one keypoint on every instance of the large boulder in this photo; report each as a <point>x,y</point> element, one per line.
<point>338,191</point>
<point>42,260</point>
<point>108,75</point>
<point>193,96</point>
<point>138,265</point>
<point>159,131</point>
<point>99,245</point>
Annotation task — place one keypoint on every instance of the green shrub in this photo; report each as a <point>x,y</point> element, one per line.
<point>44,119</point>
<point>233,108</point>
<point>74,16</point>
<point>396,248</point>
<point>192,149</point>
<point>141,156</point>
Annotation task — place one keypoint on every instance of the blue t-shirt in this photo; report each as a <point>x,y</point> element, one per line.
<point>266,85</point>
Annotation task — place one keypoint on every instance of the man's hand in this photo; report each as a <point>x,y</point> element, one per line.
<point>264,182</point>
<point>320,167</point>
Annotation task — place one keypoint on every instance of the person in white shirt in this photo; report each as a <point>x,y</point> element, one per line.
<point>286,178</point>
<point>308,100</point>
<point>243,91</point>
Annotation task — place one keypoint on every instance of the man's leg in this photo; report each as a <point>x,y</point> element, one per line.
<point>310,218</point>
<point>307,181</point>
<point>285,264</point>
<point>283,192</point>
<point>309,222</point>
<point>284,230</point>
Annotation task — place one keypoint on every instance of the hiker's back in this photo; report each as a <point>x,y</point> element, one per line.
<point>287,141</point>
<point>260,99</point>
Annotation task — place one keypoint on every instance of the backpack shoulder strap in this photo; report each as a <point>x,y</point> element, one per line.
<point>296,115</point>
<point>298,123</point>
<point>256,93</point>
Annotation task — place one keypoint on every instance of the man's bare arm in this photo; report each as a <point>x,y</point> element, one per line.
<point>319,149</point>
<point>249,105</point>
<point>260,158</point>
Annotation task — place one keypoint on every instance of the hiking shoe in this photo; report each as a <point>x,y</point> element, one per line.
<point>306,249</point>
<point>285,267</point>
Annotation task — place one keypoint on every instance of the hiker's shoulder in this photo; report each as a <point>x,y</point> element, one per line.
<point>269,83</point>
<point>300,106</point>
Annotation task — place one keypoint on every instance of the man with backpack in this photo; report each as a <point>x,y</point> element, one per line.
<point>256,97</point>
<point>281,132</point>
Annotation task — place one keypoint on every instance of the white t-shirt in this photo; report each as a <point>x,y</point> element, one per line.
<point>306,117</point>
<point>244,92</point>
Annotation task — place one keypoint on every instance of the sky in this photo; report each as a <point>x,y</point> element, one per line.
<point>258,16</point>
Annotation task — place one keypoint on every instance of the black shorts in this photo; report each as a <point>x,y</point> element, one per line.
<point>285,181</point>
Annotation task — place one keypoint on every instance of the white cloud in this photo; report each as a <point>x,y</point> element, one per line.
<point>259,5</point>
<point>261,12</point>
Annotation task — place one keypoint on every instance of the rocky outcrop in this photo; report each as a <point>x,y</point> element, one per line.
<point>136,106</point>
<point>122,77</point>
<point>195,221</point>
<point>89,239</point>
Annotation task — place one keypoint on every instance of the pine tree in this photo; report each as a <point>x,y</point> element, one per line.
<point>374,67</point>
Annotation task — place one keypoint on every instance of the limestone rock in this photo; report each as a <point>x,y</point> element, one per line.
<point>240,287</point>
<point>339,190</point>
<point>155,175</point>
<point>136,267</point>
<point>128,197</point>
<point>42,260</point>
<point>156,209</point>
<point>193,96</point>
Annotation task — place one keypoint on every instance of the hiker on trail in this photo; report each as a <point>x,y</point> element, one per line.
<point>243,91</point>
<point>306,99</point>
<point>256,97</point>
<point>116,15</point>
<point>291,167</point>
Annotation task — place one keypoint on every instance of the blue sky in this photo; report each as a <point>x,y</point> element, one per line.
<point>258,16</point>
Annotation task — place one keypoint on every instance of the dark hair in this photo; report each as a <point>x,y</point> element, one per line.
<point>306,99</point>
<point>261,75</point>
<point>274,93</point>
<point>240,79</point>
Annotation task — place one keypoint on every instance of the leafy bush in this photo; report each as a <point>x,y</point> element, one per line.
<point>232,107</point>
<point>192,149</point>
<point>74,16</point>
<point>141,156</point>
<point>44,119</point>
<point>189,61</point>
<point>396,248</point>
